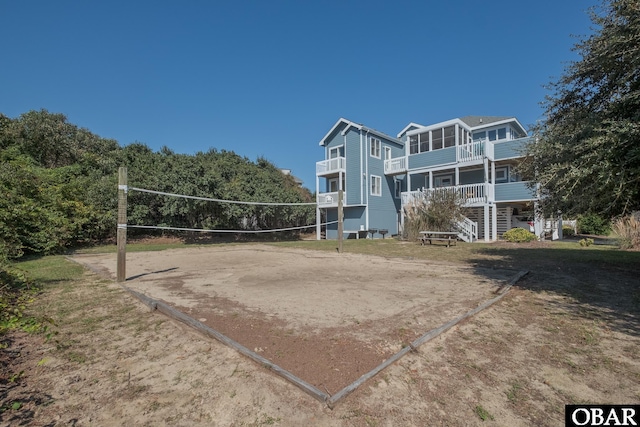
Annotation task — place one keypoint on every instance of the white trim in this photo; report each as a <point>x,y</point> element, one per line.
<point>406,129</point>
<point>366,178</point>
<point>501,122</point>
<point>333,128</point>
<point>349,125</point>
<point>440,125</point>
<point>441,167</point>
<point>363,186</point>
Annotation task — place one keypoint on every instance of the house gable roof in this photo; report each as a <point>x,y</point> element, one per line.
<point>411,126</point>
<point>347,124</point>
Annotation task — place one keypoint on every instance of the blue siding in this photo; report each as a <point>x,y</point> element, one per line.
<point>354,217</point>
<point>433,158</point>
<point>513,191</point>
<point>336,139</point>
<point>383,209</point>
<point>510,149</point>
<point>353,178</point>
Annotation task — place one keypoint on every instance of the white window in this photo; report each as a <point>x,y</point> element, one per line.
<point>387,153</point>
<point>436,139</point>
<point>424,142</point>
<point>413,144</point>
<point>502,174</point>
<point>398,188</point>
<point>376,185</point>
<point>479,136</point>
<point>496,134</point>
<point>375,148</point>
<point>336,152</point>
<point>449,136</point>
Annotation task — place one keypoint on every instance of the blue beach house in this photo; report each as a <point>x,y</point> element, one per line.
<point>379,174</point>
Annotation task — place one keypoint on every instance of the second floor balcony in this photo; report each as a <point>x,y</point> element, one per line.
<point>331,166</point>
<point>481,193</point>
<point>395,166</point>
<point>329,200</point>
<point>470,194</point>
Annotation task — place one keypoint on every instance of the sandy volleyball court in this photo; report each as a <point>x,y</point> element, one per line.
<point>326,317</point>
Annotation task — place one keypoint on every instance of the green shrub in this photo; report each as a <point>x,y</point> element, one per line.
<point>586,242</point>
<point>519,235</point>
<point>567,231</point>
<point>593,224</point>
<point>17,291</point>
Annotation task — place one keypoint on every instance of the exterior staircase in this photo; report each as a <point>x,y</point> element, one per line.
<point>467,229</point>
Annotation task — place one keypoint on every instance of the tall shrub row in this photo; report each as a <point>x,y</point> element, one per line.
<point>58,187</point>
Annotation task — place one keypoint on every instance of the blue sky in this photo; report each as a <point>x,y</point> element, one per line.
<point>270,78</point>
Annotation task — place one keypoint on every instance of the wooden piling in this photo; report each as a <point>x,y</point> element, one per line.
<point>122,225</point>
<point>340,220</point>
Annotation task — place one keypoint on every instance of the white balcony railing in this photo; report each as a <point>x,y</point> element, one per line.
<point>329,166</point>
<point>471,152</point>
<point>470,193</point>
<point>326,200</point>
<point>397,165</point>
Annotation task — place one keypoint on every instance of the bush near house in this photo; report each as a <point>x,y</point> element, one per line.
<point>518,235</point>
<point>435,210</point>
<point>567,231</point>
<point>591,223</point>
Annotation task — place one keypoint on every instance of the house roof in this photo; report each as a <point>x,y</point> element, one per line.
<point>409,127</point>
<point>349,124</point>
<point>475,121</point>
<point>478,122</point>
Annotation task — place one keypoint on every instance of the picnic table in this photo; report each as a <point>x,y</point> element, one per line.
<point>444,236</point>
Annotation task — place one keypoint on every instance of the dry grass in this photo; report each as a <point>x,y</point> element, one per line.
<point>628,231</point>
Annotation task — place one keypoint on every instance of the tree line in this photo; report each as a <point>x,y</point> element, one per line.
<point>587,154</point>
<point>58,187</point>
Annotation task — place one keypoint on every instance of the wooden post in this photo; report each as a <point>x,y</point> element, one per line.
<point>340,220</point>
<point>122,225</point>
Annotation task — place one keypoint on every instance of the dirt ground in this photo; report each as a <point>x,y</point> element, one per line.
<point>562,335</point>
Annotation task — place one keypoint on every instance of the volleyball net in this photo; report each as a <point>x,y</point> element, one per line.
<point>201,214</point>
